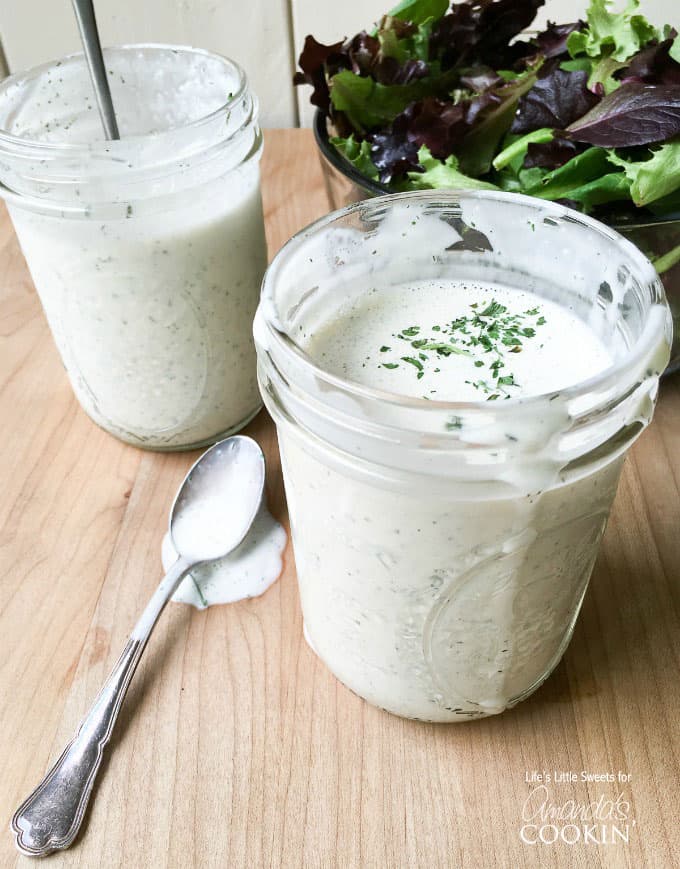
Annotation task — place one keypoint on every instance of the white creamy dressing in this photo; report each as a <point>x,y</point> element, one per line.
<point>367,336</point>
<point>150,304</point>
<point>440,610</point>
<point>247,572</point>
<point>158,345</point>
<point>431,605</point>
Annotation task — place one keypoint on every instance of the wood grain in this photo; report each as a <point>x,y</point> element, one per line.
<point>236,746</point>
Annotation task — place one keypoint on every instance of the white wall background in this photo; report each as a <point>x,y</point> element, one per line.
<point>264,36</point>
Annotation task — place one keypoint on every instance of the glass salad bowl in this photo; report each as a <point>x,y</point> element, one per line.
<point>657,237</point>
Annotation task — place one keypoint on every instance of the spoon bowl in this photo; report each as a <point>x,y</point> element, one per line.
<point>218,500</point>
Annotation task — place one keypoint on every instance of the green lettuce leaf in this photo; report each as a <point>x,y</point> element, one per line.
<point>580,170</point>
<point>481,143</point>
<point>446,174</point>
<point>420,42</point>
<point>675,49</point>
<point>513,154</point>
<point>578,63</point>
<point>418,11</point>
<point>667,205</point>
<point>613,187</point>
<point>417,46</point>
<point>584,179</point>
<point>616,34</point>
<point>655,178</point>
<point>392,46</point>
<point>602,73</point>
<point>367,103</point>
<point>666,262</point>
<point>513,182</point>
<point>358,154</point>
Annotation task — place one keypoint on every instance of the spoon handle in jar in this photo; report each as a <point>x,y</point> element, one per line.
<point>89,35</point>
<point>49,819</point>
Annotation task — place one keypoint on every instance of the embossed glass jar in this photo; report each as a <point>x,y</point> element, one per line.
<point>443,549</point>
<point>147,252</point>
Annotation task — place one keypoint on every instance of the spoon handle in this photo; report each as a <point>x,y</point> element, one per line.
<point>49,819</point>
<point>89,35</point>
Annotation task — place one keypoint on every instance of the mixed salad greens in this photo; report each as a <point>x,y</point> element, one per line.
<point>440,95</point>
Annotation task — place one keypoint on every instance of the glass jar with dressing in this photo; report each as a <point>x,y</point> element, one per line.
<point>147,252</point>
<point>455,379</point>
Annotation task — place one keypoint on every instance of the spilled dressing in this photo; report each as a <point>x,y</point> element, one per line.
<point>246,572</point>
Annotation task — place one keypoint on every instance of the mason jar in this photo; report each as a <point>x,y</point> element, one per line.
<point>443,549</point>
<point>147,252</point>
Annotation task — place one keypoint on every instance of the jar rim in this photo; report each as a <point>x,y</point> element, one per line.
<point>603,382</point>
<point>21,143</point>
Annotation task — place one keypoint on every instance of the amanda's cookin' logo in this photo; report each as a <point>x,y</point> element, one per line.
<point>601,822</point>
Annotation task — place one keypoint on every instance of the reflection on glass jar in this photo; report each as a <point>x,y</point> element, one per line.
<point>443,548</point>
<point>147,252</point>
<point>659,239</point>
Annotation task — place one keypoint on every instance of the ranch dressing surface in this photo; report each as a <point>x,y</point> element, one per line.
<point>457,342</point>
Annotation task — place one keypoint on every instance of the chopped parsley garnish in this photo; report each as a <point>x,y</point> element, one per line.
<point>494,309</point>
<point>486,334</point>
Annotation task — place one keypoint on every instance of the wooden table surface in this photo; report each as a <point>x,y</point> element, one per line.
<point>236,747</point>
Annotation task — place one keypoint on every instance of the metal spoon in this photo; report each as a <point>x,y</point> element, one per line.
<point>89,36</point>
<point>211,514</point>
